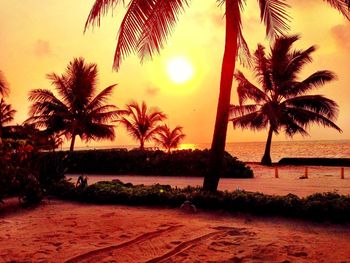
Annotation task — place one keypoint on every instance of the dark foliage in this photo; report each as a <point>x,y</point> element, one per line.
<point>318,207</point>
<point>17,176</point>
<point>179,163</point>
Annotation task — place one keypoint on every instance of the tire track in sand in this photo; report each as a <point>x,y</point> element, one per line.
<point>102,251</point>
<point>184,246</point>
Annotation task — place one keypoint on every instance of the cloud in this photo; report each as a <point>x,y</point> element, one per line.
<point>341,34</point>
<point>42,48</point>
<point>152,91</point>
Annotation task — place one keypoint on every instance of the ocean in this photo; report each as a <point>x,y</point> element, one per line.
<point>253,151</point>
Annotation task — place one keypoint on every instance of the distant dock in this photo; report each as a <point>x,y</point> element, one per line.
<point>316,161</point>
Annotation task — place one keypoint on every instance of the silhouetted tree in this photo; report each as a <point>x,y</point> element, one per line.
<point>6,114</point>
<point>142,123</point>
<point>78,111</point>
<point>280,102</point>
<point>4,89</point>
<point>169,139</point>
<point>148,23</point>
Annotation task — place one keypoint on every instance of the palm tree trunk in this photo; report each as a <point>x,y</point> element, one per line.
<point>142,144</point>
<point>266,160</point>
<point>72,142</point>
<point>211,179</point>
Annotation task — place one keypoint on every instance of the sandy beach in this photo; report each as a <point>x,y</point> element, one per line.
<point>60,231</point>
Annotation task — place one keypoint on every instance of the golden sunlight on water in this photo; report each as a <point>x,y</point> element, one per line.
<point>188,146</point>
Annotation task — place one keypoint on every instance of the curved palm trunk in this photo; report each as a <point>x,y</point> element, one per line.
<point>72,142</point>
<point>266,160</point>
<point>211,179</point>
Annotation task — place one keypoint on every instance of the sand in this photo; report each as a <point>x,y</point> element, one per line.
<point>60,231</point>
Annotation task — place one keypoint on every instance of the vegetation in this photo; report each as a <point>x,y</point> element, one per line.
<point>142,123</point>
<point>78,111</point>
<point>280,102</point>
<point>6,114</point>
<point>17,175</point>
<point>4,89</point>
<point>178,163</point>
<point>169,139</point>
<point>147,25</point>
<point>318,207</point>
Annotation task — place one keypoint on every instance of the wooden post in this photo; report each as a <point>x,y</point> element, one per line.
<point>306,172</point>
<point>342,173</point>
<point>276,172</point>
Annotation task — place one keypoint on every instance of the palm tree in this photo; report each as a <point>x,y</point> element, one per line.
<point>78,110</point>
<point>142,123</point>
<point>148,23</point>
<point>6,114</point>
<point>4,89</point>
<point>281,103</point>
<point>169,139</point>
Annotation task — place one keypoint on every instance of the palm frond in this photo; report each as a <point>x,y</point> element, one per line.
<point>4,88</point>
<point>158,26</point>
<point>130,127</point>
<point>240,110</point>
<point>280,57</point>
<point>343,6</point>
<point>255,121</point>
<point>247,90</point>
<point>305,117</point>
<point>262,68</point>
<point>101,98</point>
<point>297,60</point>
<point>315,80</point>
<point>98,131</point>
<point>275,16</point>
<point>316,103</point>
<point>99,9</point>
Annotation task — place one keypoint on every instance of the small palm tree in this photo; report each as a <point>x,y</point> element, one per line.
<point>281,102</point>
<point>79,111</point>
<point>6,114</point>
<point>169,139</point>
<point>4,89</point>
<point>142,123</point>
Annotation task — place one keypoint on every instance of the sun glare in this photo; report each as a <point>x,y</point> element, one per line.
<point>179,70</point>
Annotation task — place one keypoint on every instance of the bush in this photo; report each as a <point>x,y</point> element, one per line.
<point>179,163</point>
<point>17,176</point>
<point>318,207</point>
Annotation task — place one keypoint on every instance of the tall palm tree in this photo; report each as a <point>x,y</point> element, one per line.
<point>148,23</point>
<point>6,114</point>
<point>281,102</point>
<point>169,139</point>
<point>142,123</point>
<point>78,110</point>
<point>4,89</point>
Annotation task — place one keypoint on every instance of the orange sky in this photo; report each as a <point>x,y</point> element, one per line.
<point>38,37</point>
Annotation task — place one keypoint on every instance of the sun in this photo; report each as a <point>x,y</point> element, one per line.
<point>179,70</point>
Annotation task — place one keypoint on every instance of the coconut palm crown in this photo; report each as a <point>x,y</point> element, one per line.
<point>169,139</point>
<point>142,123</point>
<point>281,102</point>
<point>78,110</point>
<point>147,25</point>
